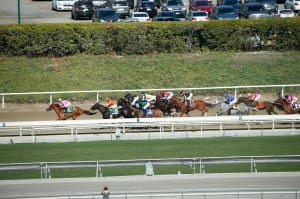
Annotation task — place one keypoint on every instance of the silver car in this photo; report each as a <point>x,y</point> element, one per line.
<point>121,7</point>
<point>175,5</point>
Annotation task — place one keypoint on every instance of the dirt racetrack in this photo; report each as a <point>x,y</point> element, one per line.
<point>37,111</point>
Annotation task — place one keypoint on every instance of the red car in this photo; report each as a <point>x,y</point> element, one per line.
<point>203,5</point>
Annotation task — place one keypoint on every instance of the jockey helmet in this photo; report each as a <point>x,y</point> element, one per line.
<point>59,100</point>
<point>286,96</point>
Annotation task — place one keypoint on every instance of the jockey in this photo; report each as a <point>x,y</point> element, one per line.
<point>230,100</point>
<point>255,98</point>
<point>135,99</point>
<point>66,105</point>
<point>112,105</point>
<point>187,97</point>
<point>292,100</point>
<point>166,95</point>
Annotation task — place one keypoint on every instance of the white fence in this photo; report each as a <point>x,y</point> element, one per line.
<point>98,92</point>
<point>148,128</point>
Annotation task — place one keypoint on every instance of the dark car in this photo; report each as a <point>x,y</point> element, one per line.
<point>105,15</point>
<point>253,10</point>
<point>270,5</point>
<point>166,16</point>
<point>82,9</point>
<point>236,4</point>
<point>147,6</point>
<point>175,5</point>
<point>223,13</point>
<point>203,5</point>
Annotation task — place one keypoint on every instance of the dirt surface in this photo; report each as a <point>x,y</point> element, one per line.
<point>37,111</point>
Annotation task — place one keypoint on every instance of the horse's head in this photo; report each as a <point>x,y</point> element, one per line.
<point>129,97</point>
<point>97,106</point>
<point>53,106</point>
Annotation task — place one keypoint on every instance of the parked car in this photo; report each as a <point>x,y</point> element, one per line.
<point>204,5</point>
<point>175,5</point>
<point>82,9</point>
<point>284,13</point>
<point>197,16</point>
<point>147,6</point>
<point>166,16</point>
<point>121,7</point>
<point>62,4</point>
<point>269,5</point>
<point>105,15</point>
<point>253,10</point>
<point>293,5</point>
<point>140,17</point>
<point>223,13</point>
<point>236,4</point>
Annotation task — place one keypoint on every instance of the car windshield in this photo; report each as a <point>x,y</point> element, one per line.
<point>140,15</point>
<point>286,11</point>
<point>259,8</point>
<point>202,3</point>
<point>230,2</point>
<point>106,13</point>
<point>148,5</point>
<point>199,14</point>
<point>175,3</point>
<point>226,10</point>
<point>120,3</point>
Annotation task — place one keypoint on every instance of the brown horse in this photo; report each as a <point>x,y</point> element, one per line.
<point>196,104</point>
<point>268,106</point>
<point>286,106</point>
<point>155,112</point>
<point>63,116</point>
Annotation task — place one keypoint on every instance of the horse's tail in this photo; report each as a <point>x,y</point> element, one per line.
<point>89,112</point>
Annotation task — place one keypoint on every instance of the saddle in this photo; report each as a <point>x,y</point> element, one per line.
<point>69,109</point>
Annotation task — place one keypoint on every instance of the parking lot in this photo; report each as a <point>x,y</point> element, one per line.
<point>41,12</point>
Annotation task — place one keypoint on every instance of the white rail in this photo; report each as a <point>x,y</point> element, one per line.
<point>158,128</point>
<point>97,92</point>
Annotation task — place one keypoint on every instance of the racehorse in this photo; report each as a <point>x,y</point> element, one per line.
<point>196,104</point>
<point>225,109</point>
<point>287,107</point>
<point>106,111</point>
<point>268,106</point>
<point>164,106</point>
<point>63,116</point>
<point>141,113</point>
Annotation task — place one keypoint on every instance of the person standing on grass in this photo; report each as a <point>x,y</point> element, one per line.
<point>105,192</point>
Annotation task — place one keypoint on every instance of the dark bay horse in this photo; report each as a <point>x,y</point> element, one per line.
<point>200,105</point>
<point>63,116</point>
<point>105,111</point>
<point>286,106</point>
<point>268,106</point>
<point>140,113</point>
<point>164,106</point>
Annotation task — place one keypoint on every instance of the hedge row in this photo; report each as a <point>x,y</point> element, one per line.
<point>55,40</point>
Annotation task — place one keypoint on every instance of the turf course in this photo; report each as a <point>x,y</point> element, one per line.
<point>178,148</point>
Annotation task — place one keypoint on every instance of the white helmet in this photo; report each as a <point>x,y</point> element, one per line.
<point>59,99</point>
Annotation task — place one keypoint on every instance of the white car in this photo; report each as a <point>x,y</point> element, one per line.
<point>286,13</point>
<point>197,16</point>
<point>62,4</point>
<point>293,5</point>
<point>141,16</point>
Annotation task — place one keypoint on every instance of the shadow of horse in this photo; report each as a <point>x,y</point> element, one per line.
<point>105,111</point>
<point>225,109</point>
<point>200,105</point>
<point>63,116</point>
<point>287,107</point>
<point>268,106</point>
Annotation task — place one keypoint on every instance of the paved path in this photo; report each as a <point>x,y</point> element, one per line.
<point>162,183</point>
